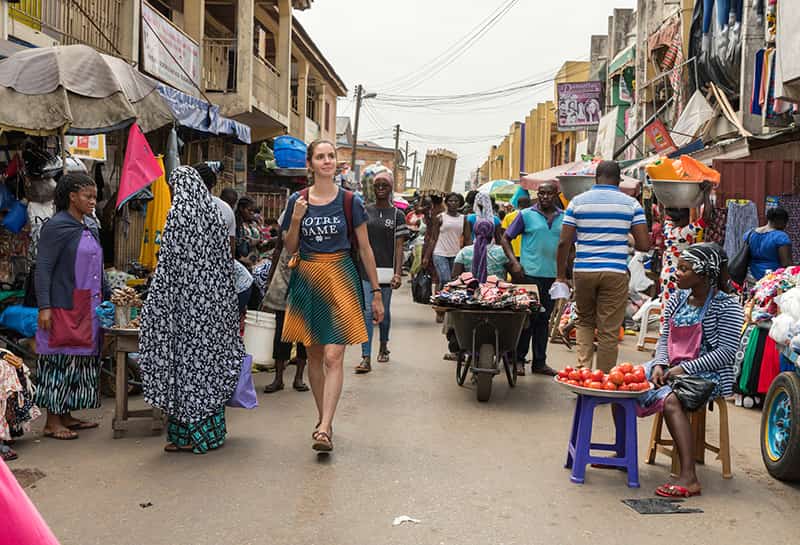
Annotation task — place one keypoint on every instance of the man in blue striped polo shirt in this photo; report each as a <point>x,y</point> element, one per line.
<point>599,221</point>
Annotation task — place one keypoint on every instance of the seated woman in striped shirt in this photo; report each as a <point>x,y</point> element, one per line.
<point>699,337</point>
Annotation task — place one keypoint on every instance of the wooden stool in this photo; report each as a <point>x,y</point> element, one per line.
<point>697,420</point>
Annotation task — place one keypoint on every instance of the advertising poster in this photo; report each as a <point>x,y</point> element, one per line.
<point>579,105</point>
<point>87,147</point>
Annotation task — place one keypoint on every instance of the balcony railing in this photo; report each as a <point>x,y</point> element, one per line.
<point>219,64</point>
<point>91,22</point>
<point>265,83</point>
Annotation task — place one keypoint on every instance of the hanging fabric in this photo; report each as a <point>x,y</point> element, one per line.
<point>741,218</point>
<point>770,366</point>
<point>157,210</point>
<point>791,203</point>
<point>758,74</point>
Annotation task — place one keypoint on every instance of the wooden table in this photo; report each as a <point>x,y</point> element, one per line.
<point>123,342</point>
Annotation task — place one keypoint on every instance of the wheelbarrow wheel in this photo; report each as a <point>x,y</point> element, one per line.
<point>462,368</point>
<point>484,380</point>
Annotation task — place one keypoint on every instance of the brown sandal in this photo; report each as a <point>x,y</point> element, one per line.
<point>322,442</point>
<point>172,447</point>
<point>364,367</point>
<point>383,357</point>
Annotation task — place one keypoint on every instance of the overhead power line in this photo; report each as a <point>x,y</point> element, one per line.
<point>426,71</point>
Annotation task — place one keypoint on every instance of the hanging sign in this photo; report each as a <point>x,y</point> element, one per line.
<point>87,147</point>
<point>168,53</point>
<point>659,138</point>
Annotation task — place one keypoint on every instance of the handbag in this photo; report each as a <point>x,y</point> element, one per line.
<point>693,392</point>
<point>740,263</point>
<point>422,288</point>
<point>244,397</point>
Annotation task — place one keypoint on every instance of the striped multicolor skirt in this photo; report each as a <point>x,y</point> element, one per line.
<point>326,302</point>
<point>67,383</point>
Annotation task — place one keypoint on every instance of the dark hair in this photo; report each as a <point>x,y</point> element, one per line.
<point>471,197</point>
<point>436,200</point>
<point>778,216</point>
<point>524,202</point>
<point>70,183</point>
<point>456,195</point>
<point>608,171</point>
<point>230,196</point>
<point>244,202</point>
<point>313,145</point>
<point>208,175</point>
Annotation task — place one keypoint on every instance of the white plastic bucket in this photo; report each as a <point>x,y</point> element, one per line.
<point>259,335</point>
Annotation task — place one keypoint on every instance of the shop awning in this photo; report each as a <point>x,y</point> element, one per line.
<point>201,116</point>
<point>624,58</point>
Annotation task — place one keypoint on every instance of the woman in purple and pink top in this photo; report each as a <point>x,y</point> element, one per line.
<point>69,286</point>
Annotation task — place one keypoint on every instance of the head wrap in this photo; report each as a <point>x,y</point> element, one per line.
<point>707,259</point>
<point>384,175</point>
<point>484,239</point>
<point>483,207</point>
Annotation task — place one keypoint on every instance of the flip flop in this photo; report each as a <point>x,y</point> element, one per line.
<point>322,442</point>
<point>83,425</point>
<point>7,453</point>
<point>383,357</point>
<point>300,388</point>
<point>270,389</point>
<point>675,491</point>
<point>172,447</point>
<point>63,435</point>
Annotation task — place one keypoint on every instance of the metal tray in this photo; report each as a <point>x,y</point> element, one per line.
<point>601,393</point>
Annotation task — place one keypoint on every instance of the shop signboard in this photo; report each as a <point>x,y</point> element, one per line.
<point>168,53</point>
<point>87,147</point>
<point>579,105</point>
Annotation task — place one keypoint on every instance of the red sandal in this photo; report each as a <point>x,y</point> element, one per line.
<point>675,491</point>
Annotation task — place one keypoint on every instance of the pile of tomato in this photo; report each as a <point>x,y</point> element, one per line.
<point>625,377</point>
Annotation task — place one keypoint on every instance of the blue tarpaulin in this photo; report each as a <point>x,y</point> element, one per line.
<point>199,115</point>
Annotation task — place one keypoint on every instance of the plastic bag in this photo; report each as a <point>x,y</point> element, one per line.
<point>692,392</point>
<point>23,320</point>
<point>789,303</point>
<point>780,330</point>
<point>422,288</point>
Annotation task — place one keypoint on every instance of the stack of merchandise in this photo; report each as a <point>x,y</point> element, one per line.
<point>762,306</point>
<point>467,292</point>
<point>17,409</point>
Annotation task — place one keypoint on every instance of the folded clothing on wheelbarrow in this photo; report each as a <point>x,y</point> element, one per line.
<point>466,291</point>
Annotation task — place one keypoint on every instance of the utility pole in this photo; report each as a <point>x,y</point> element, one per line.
<point>405,167</point>
<point>360,96</point>
<point>396,151</point>
<point>414,171</point>
<point>356,177</point>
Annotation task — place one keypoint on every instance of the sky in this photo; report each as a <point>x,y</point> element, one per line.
<point>399,49</point>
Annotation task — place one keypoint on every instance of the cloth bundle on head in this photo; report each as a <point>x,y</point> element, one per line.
<point>518,194</point>
<point>368,180</point>
<point>484,239</point>
<point>707,259</point>
<point>483,207</point>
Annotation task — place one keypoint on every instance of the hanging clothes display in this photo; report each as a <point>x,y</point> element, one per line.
<point>716,226</point>
<point>155,221</point>
<point>770,366</point>
<point>791,203</point>
<point>741,218</point>
<point>17,409</point>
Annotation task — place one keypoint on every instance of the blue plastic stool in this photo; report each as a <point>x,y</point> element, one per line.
<point>625,447</point>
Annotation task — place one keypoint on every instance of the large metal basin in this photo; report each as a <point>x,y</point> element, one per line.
<point>683,194</point>
<point>572,186</point>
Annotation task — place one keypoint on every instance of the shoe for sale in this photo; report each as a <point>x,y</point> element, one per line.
<point>544,370</point>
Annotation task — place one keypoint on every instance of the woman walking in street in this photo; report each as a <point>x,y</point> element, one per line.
<point>387,230</point>
<point>69,286</point>
<point>322,224</point>
<point>277,290</point>
<point>449,232</point>
<point>190,349</point>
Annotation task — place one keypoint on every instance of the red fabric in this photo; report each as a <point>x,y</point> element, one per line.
<point>770,366</point>
<point>73,327</point>
<point>140,168</point>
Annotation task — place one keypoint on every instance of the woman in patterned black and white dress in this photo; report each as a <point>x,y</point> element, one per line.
<point>191,351</point>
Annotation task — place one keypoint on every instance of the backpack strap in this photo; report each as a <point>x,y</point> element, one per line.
<point>348,214</point>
